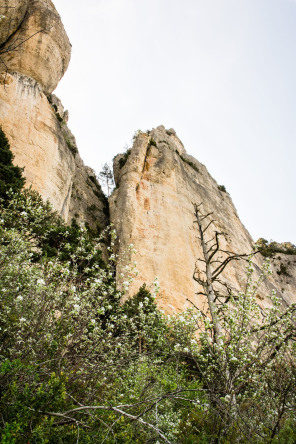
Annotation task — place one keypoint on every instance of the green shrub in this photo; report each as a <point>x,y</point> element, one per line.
<point>283,270</point>
<point>187,161</point>
<point>10,175</point>
<point>123,159</point>
<point>26,212</point>
<point>91,208</point>
<point>94,180</point>
<point>222,188</point>
<point>152,142</point>
<point>269,249</point>
<point>72,147</point>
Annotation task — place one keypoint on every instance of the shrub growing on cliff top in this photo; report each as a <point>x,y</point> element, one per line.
<point>123,159</point>
<point>10,175</point>
<point>268,249</point>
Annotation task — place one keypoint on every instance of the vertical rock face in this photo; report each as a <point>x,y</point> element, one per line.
<point>12,15</point>
<point>157,181</point>
<point>152,208</point>
<point>34,120</point>
<point>36,139</point>
<point>88,203</point>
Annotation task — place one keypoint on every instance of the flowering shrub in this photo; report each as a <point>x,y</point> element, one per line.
<point>250,375</point>
<point>67,341</point>
<point>80,366</point>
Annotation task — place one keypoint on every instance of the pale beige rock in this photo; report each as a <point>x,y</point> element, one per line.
<point>13,13</point>
<point>44,48</point>
<point>62,115</point>
<point>152,208</point>
<point>36,140</point>
<point>36,124</point>
<point>88,203</point>
<point>43,144</point>
<point>284,276</point>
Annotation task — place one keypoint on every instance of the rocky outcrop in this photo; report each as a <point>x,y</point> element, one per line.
<point>34,120</point>
<point>36,139</point>
<point>11,17</point>
<point>88,203</point>
<point>157,181</point>
<point>43,48</point>
<point>284,275</point>
<point>152,208</point>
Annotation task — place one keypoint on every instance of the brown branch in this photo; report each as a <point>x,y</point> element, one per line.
<point>224,264</point>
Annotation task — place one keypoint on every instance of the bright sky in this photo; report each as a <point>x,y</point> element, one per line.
<point>220,72</point>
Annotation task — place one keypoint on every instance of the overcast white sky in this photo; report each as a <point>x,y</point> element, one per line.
<point>220,72</point>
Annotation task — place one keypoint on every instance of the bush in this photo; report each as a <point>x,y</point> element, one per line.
<point>123,159</point>
<point>66,341</point>
<point>269,249</point>
<point>222,188</point>
<point>80,365</point>
<point>29,215</point>
<point>10,175</point>
<point>152,142</point>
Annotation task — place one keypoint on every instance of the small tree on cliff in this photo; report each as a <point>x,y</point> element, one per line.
<point>10,175</point>
<point>106,178</point>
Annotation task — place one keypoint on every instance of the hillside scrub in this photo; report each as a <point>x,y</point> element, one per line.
<point>10,175</point>
<point>78,365</point>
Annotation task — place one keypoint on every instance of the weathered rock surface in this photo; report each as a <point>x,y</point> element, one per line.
<point>43,48</point>
<point>152,208</point>
<point>34,120</point>
<point>88,203</point>
<point>12,14</point>
<point>43,144</point>
<point>36,139</point>
<point>284,276</point>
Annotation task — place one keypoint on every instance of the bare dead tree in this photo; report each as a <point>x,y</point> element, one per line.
<point>243,341</point>
<point>214,264</point>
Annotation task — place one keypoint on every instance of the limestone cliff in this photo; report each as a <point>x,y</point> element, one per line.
<point>157,181</point>
<point>34,54</point>
<point>152,208</point>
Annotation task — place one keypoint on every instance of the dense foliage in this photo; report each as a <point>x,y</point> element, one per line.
<point>269,249</point>
<point>78,365</point>
<point>66,341</point>
<point>10,175</point>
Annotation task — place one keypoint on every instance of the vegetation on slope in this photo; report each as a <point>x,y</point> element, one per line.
<point>269,249</point>
<point>10,175</point>
<point>80,366</point>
